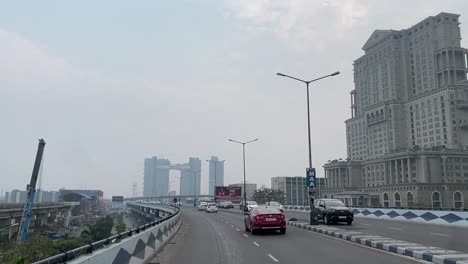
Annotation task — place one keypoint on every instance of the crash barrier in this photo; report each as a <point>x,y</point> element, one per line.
<point>137,245</point>
<point>441,217</point>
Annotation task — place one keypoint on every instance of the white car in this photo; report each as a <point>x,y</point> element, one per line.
<point>251,204</point>
<point>202,206</point>
<point>211,208</point>
<point>276,205</point>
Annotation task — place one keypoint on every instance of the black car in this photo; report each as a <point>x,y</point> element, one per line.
<point>333,211</point>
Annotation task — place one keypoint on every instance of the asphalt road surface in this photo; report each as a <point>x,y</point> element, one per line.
<point>220,238</point>
<point>447,237</point>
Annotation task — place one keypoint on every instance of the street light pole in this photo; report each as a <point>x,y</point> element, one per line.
<point>313,213</point>
<point>243,158</point>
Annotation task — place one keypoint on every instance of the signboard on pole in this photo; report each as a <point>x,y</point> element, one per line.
<point>117,203</point>
<point>311,177</point>
<point>231,193</point>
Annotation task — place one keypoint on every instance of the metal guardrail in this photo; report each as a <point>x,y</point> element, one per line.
<point>90,248</point>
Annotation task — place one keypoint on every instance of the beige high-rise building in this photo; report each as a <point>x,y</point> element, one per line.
<point>407,139</point>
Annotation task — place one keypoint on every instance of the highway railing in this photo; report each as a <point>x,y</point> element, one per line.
<point>115,239</point>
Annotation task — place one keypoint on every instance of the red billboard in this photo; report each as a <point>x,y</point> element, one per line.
<point>224,193</point>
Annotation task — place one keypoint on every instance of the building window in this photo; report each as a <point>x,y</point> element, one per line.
<point>409,200</point>
<point>397,200</point>
<point>457,200</point>
<point>385,200</point>
<point>436,201</point>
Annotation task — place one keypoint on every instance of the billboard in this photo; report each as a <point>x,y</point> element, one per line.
<point>224,193</point>
<point>117,199</point>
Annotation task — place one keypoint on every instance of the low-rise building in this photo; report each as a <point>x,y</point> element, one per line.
<point>294,189</point>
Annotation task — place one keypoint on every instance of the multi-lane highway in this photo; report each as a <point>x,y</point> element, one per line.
<point>447,237</point>
<point>220,238</point>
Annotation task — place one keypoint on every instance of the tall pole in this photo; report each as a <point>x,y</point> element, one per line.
<point>313,213</point>
<point>308,127</point>
<point>243,158</point>
<point>245,185</point>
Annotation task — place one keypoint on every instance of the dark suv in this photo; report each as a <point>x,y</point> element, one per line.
<point>333,211</point>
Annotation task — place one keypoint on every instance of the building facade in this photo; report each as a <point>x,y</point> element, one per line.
<point>294,189</point>
<point>216,167</point>
<point>190,177</point>
<point>156,177</point>
<point>407,138</point>
<point>250,189</point>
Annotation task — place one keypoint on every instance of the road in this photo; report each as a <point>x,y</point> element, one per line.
<point>220,238</point>
<point>447,237</point>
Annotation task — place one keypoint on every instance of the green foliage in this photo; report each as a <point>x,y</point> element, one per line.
<point>102,229</point>
<point>120,225</point>
<point>38,247</point>
<point>262,196</point>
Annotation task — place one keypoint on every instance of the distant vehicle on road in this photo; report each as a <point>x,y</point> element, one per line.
<point>250,205</point>
<point>226,205</point>
<point>276,205</point>
<point>202,206</point>
<point>333,211</point>
<point>211,208</point>
<point>263,218</point>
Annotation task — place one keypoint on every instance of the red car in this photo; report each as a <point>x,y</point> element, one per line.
<point>263,218</point>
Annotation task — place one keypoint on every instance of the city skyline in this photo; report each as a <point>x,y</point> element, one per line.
<point>163,83</point>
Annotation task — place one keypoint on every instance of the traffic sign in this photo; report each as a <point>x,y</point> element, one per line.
<point>311,177</point>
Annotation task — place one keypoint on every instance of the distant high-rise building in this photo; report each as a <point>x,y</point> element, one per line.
<point>216,167</point>
<point>294,189</point>
<point>15,196</point>
<point>156,177</point>
<point>407,138</point>
<point>190,177</point>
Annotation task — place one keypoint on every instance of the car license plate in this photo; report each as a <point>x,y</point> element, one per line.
<point>342,217</point>
<point>271,219</point>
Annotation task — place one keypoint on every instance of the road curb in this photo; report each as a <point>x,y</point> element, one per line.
<point>415,250</point>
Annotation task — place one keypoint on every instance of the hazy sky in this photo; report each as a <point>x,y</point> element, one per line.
<point>108,83</point>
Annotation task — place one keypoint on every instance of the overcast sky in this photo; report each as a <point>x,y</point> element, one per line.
<point>108,83</point>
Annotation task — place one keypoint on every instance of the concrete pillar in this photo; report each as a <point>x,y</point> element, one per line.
<point>403,172</point>
<point>43,218</point>
<point>385,173</point>
<point>13,227</point>
<point>66,218</point>
<point>423,166</point>
<point>448,66</point>
<point>391,177</point>
<point>410,173</point>
<point>340,180</point>
<point>444,169</point>
<point>350,180</point>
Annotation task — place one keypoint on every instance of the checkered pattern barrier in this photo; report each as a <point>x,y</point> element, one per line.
<point>453,218</point>
<point>136,249</point>
<point>427,253</point>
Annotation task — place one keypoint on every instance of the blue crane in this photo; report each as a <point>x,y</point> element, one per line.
<point>31,189</point>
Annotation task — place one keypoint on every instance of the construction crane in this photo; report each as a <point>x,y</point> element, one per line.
<point>31,189</point>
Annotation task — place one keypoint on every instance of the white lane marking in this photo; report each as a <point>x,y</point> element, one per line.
<point>437,234</point>
<point>255,243</point>
<point>238,230</point>
<point>273,258</point>
<point>246,235</point>
<point>395,228</point>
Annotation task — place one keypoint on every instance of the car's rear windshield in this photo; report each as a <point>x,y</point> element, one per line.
<point>334,203</point>
<point>251,202</point>
<point>275,204</point>
<point>212,205</point>
<point>267,210</point>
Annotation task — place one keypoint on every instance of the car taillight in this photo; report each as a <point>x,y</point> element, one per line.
<point>257,217</point>
<point>281,216</point>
